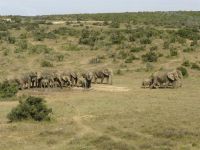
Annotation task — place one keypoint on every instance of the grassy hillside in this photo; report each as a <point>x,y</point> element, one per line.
<point>122,116</point>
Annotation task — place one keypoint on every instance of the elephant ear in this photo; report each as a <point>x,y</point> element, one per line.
<point>73,74</point>
<point>170,75</point>
<point>106,72</point>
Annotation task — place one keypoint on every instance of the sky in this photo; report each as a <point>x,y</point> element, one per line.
<point>46,7</point>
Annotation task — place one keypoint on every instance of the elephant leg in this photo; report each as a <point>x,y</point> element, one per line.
<point>107,79</point>
<point>102,79</point>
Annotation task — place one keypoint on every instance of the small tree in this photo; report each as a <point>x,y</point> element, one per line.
<point>33,108</point>
<point>150,57</point>
<point>8,89</point>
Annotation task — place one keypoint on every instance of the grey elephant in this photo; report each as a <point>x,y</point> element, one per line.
<point>88,76</point>
<point>45,83</point>
<point>26,80</point>
<point>82,82</point>
<point>165,79</point>
<point>74,77</point>
<point>52,76</point>
<point>65,79</point>
<point>102,74</point>
<point>146,83</point>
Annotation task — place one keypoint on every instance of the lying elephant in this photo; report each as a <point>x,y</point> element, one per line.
<point>166,79</point>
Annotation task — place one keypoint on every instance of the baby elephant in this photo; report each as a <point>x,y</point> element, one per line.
<point>146,83</point>
<point>82,83</point>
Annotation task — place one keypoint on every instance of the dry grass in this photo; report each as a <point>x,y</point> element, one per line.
<point>122,116</point>
<point>95,119</point>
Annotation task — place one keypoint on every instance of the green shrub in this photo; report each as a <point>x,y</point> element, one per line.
<point>50,35</point>
<point>190,33</point>
<point>33,108</point>
<point>166,45</point>
<point>60,57</point>
<point>71,47</point>
<point>22,44</point>
<point>89,37</point>
<point>195,66</point>
<point>115,24</point>
<point>11,40</point>
<point>194,43</point>
<point>150,57</point>
<point>38,49</point>
<point>39,35</point>
<point>186,63</point>
<point>173,52</point>
<point>137,49</point>
<point>145,41</point>
<point>46,64</point>
<point>8,89</point>
<point>183,71</point>
<point>189,49</point>
<point>153,48</point>
<point>130,59</point>
<point>117,38</point>
<point>3,26</point>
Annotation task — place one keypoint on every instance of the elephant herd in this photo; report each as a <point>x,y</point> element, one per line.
<point>164,79</point>
<point>53,79</point>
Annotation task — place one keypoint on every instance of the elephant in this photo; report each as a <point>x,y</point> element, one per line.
<point>88,76</point>
<point>45,83</point>
<point>33,79</point>
<point>74,78</point>
<point>82,82</point>
<point>52,76</point>
<point>102,74</point>
<point>165,79</point>
<point>27,80</point>
<point>65,79</point>
<point>146,83</point>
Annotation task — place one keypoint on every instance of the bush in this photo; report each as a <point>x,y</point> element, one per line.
<point>33,108</point>
<point>38,49</point>
<point>186,63</point>
<point>183,71</point>
<point>11,40</point>
<point>71,47</point>
<point>150,57</point>
<point>173,52</point>
<point>23,44</point>
<point>115,24</point>
<point>153,48</point>
<point>46,64</point>
<point>190,33</point>
<point>130,59</point>
<point>189,49</point>
<point>137,49</point>
<point>60,57</point>
<point>166,45</point>
<point>145,41</point>
<point>8,89</point>
<point>195,66</point>
<point>89,37</point>
<point>117,38</point>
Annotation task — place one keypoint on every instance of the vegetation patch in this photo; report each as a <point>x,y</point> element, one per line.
<point>8,89</point>
<point>33,108</point>
<point>150,57</point>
